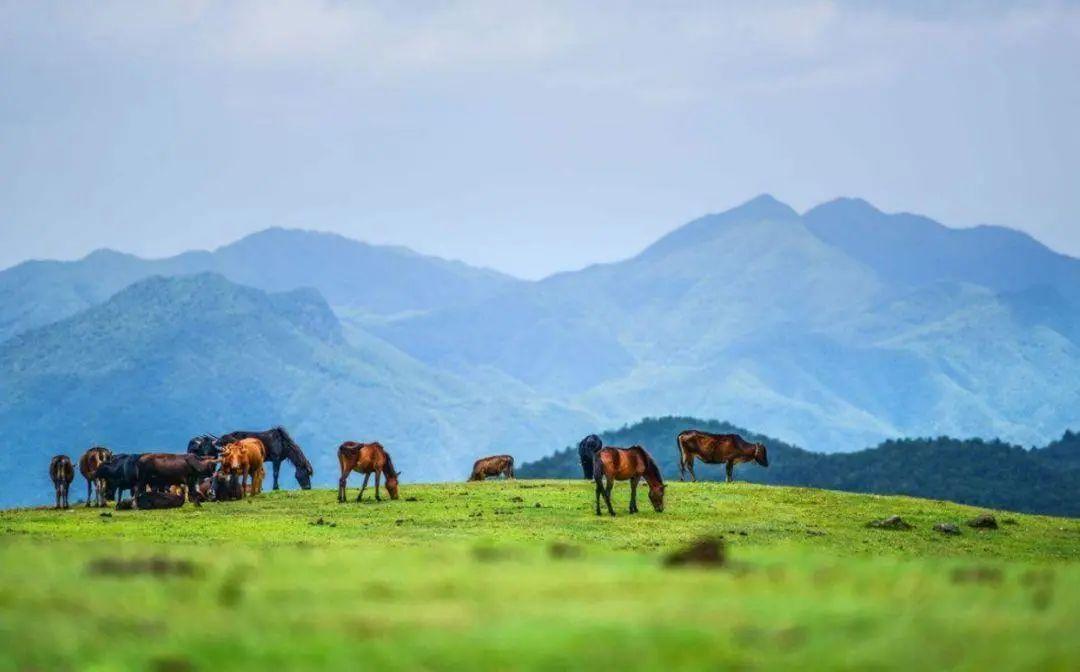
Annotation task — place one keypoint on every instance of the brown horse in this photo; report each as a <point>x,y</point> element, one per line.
<point>730,449</point>
<point>366,459</point>
<point>492,466</point>
<point>62,474</point>
<point>88,464</point>
<point>244,459</point>
<point>627,464</point>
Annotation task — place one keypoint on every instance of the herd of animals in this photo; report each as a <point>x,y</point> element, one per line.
<point>232,466</point>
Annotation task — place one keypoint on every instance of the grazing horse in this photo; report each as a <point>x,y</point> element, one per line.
<point>204,445</point>
<point>243,460</point>
<point>730,449</point>
<point>586,449</point>
<point>62,474</point>
<point>88,464</point>
<point>492,466</point>
<point>621,464</point>
<point>279,446</point>
<point>366,459</point>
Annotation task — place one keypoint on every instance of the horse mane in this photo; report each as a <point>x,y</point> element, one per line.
<point>388,468</point>
<point>294,455</point>
<point>651,468</point>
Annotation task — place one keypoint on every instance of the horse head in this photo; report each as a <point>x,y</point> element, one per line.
<point>760,455</point>
<point>303,476</point>
<point>656,496</point>
<point>392,483</point>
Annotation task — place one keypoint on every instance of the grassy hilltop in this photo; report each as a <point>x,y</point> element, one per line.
<point>522,575</point>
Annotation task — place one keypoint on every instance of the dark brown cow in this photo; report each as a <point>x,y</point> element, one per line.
<point>62,474</point>
<point>161,470</point>
<point>366,459</point>
<point>88,464</point>
<point>492,466</point>
<point>153,500</point>
<point>731,449</point>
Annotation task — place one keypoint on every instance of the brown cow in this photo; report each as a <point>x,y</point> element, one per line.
<point>492,466</point>
<point>730,449</point>
<point>160,470</point>
<point>243,460</point>
<point>62,474</point>
<point>88,464</point>
<point>367,459</point>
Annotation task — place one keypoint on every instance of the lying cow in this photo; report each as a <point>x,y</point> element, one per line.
<point>227,489</point>
<point>161,470</point>
<point>153,500</point>
<point>492,466</point>
<point>731,449</point>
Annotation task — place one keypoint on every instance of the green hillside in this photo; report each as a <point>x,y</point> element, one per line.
<point>523,575</point>
<point>166,359</point>
<point>972,471</point>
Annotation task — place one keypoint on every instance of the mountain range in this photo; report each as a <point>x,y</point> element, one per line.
<point>834,329</point>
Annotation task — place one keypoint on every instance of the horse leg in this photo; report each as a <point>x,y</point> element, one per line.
<point>342,482</point>
<point>607,494</point>
<point>599,491</point>
<point>730,468</point>
<point>377,498</point>
<point>363,486</point>
<point>277,470</point>
<point>690,467</point>
<point>633,495</point>
<point>89,488</point>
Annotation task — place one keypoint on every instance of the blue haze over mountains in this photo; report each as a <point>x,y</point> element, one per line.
<point>832,330</point>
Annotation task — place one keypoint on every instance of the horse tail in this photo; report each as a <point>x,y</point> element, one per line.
<point>682,453</point>
<point>597,467</point>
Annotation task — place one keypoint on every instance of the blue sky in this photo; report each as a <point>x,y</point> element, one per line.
<point>528,137</point>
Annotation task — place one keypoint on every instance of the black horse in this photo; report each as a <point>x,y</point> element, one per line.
<point>204,445</point>
<point>279,446</point>
<point>587,449</point>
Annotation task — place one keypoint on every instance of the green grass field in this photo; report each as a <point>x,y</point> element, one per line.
<point>522,575</point>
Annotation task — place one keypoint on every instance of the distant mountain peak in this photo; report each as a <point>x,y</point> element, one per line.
<point>764,206</point>
<point>844,206</point>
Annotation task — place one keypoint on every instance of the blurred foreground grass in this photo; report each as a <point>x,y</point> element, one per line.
<point>478,576</point>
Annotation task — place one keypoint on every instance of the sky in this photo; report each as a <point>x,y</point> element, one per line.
<point>529,137</point>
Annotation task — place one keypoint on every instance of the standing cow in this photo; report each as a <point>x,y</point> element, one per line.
<point>62,473</point>
<point>731,449</point>
<point>88,464</point>
<point>160,470</point>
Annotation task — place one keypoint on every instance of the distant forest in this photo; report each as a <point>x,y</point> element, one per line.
<point>970,471</point>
